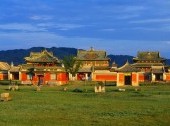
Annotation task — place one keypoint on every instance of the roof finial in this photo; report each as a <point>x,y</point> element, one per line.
<point>127,61</point>
<point>12,64</point>
<point>91,49</point>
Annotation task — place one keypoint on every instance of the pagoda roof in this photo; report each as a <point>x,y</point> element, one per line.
<point>42,68</point>
<point>147,64</point>
<point>101,68</point>
<point>41,57</point>
<point>91,55</point>
<point>127,68</point>
<point>15,68</point>
<point>148,56</point>
<point>4,66</point>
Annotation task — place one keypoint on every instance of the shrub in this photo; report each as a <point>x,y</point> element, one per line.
<point>78,90</point>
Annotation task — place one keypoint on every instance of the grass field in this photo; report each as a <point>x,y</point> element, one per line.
<point>53,106</point>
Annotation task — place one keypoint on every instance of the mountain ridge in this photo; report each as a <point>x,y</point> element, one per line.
<point>17,55</point>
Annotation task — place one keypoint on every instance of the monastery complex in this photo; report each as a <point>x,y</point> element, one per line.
<point>44,68</point>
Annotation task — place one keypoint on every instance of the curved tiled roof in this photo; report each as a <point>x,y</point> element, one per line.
<point>14,68</point>
<point>4,66</point>
<point>127,68</point>
<point>147,64</point>
<point>148,56</point>
<point>91,55</point>
<point>43,56</point>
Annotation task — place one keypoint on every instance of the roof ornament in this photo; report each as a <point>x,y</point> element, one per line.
<point>127,62</point>
<point>12,64</point>
<point>91,49</point>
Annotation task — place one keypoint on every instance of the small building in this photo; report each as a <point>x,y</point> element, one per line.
<point>42,68</point>
<point>4,67</point>
<point>127,75</point>
<point>13,73</point>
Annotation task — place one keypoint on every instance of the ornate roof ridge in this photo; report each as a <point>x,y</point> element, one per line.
<point>127,67</point>
<point>43,54</point>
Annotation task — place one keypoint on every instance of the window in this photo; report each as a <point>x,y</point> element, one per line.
<point>53,76</point>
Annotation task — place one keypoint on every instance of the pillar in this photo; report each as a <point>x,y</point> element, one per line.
<point>164,76</point>
<point>135,79</point>
<point>19,75</point>
<point>153,77</point>
<point>120,79</point>
<point>86,76</point>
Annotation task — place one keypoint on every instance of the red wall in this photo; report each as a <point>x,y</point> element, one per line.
<point>47,77</point>
<point>62,77</point>
<point>23,76</point>
<point>167,77</point>
<point>141,77</point>
<point>3,76</point>
<point>134,77</point>
<point>106,77</point>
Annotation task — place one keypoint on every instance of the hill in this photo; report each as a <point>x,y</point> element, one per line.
<point>17,55</point>
<point>120,59</point>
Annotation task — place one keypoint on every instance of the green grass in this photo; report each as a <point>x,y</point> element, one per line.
<point>53,106</point>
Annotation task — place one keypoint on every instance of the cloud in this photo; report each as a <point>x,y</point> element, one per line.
<point>109,29</point>
<point>61,26</point>
<point>68,26</point>
<point>134,8</point>
<point>160,20</point>
<point>127,16</point>
<point>124,9</point>
<point>42,17</point>
<point>21,27</point>
<point>160,28</point>
<point>27,40</point>
<point>167,42</point>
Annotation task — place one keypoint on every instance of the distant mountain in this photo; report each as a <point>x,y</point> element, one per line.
<point>120,59</point>
<point>168,61</point>
<point>17,55</point>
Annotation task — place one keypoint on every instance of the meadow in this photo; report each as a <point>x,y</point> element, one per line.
<point>52,106</point>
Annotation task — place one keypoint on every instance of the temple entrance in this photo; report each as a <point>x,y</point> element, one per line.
<point>147,77</point>
<point>128,80</point>
<point>15,76</point>
<point>81,76</point>
<point>158,77</point>
<point>40,79</point>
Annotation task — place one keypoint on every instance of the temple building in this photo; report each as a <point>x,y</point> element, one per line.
<point>44,68</point>
<point>41,68</point>
<point>151,65</point>
<point>95,65</point>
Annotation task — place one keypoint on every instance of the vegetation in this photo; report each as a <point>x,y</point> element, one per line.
<point>71,65</point>
<point>55,106</point>
<point>8,82</point>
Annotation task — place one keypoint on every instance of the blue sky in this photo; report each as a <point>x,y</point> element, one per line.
<point>117,26</point>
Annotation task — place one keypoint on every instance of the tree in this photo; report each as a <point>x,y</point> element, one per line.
<point>71,65</point>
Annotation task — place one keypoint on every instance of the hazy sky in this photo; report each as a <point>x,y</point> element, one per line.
<point>117,26</point>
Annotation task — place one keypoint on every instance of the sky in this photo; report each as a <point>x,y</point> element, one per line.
<point>120,27</point>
